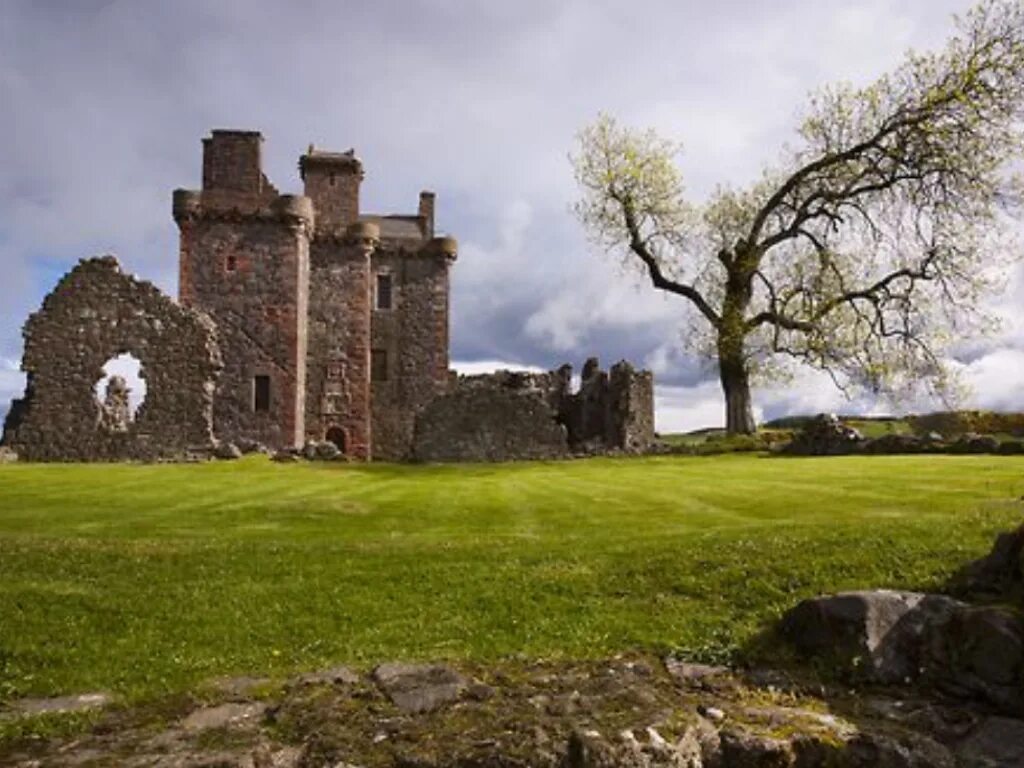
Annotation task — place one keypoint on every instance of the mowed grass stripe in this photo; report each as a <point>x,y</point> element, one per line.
<point>148,579</point>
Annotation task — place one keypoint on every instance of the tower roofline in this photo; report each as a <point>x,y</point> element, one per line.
<point>346,162</point>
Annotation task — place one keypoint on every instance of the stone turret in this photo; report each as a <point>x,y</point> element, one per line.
<point>332,181</point>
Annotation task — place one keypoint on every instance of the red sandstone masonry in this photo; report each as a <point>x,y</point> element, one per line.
<point>290,282</point>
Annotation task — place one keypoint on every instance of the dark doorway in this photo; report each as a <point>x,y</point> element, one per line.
<point>336,435</point>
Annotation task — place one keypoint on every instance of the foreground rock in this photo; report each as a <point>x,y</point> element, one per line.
<point>83,702</point>
<point>876,636</point>
<point>884,637</point>
<point>634,712</point>
<point>416,688</point>
<point>964,708</point>
<point>1000,574</point>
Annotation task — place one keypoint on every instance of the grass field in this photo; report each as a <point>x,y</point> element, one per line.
<point>145,580</point>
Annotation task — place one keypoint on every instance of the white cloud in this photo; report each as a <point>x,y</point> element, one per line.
<point>684,409</point>
<point>478,367</point>
<point>107,104</point>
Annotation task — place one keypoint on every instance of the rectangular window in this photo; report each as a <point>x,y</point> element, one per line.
<point>378,365</point>
<point>383,291</point>
<point>261,394</point>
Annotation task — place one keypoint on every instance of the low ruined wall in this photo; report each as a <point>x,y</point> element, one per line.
<point>525,415</point>
<point>613,410</point>
<point>489,418</point>
<point>94,314</point>
<point>631,408</point>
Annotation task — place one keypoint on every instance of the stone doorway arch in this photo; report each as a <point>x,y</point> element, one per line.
<point>338,436</point>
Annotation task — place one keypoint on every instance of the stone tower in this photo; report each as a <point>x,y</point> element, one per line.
<point>245,261</point>
<point>333,323</point>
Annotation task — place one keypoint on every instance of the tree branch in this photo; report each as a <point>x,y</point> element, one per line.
<point>638,246</point>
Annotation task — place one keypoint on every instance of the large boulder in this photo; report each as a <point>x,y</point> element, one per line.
<point>874,635</point>
<point>978,653</point>
<point>887,637</point>
<point>419,688</point>
<point>1000,574</point>
<point>825,435</point>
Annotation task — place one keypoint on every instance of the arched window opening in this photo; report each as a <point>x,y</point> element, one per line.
<point>121,390</point>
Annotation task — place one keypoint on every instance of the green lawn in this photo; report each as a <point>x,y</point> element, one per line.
<point>144,580</point>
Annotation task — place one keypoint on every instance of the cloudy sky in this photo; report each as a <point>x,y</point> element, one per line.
<point>103,104</point>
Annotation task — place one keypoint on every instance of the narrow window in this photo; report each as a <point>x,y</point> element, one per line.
<point>383,291</point>
<point>378,365</point>
<point>261,394</point>
<point>231,263</point>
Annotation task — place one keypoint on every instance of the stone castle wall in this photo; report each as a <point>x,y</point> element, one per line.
<point>520,415</point>
<point>248,267</point>
<point>304,350</point>
<point>412,336</point>
<point>338,367</point>
<point>96,313</point>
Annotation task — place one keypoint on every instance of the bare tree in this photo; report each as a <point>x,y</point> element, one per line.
<point>865,252</point>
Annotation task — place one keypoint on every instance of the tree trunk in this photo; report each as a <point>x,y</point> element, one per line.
<point>732,334</point>
<point>739,412</point>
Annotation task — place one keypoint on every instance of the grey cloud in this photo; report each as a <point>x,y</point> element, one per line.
<point>106,102</point>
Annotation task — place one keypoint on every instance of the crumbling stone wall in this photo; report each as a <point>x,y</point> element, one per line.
<point>490,418</point>
<point>524,415</point>
<point>96,313</point>
<point>614,409</point>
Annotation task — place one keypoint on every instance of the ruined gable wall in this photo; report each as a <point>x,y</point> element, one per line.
<point>413,335</point>
<point>94,314</point>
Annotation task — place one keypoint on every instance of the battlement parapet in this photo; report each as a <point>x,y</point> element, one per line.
<point>446,247</point>
<point>330,162</point>
<point>191,204</point>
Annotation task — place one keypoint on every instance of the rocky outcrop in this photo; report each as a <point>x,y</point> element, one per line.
<point>825,435</point>
<point>998,575</point>
<point>618,713</point>
<point>885,637</point>
<point>968,653</point>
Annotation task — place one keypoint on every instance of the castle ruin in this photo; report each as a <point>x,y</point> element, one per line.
<point>308,320</point>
